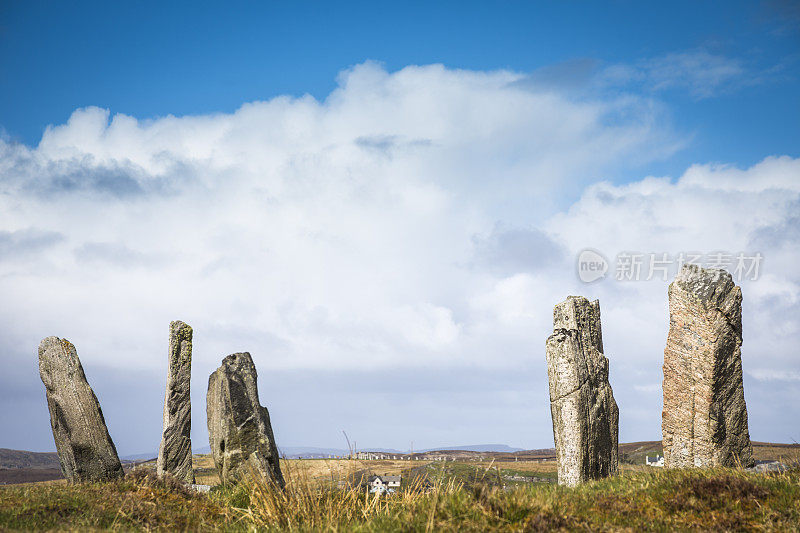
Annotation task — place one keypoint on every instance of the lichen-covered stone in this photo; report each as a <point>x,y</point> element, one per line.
<point>239,430</point>
<point>175,451</point>
<point>585,415</point>
<point>84,447</point>
<point>704,421</point>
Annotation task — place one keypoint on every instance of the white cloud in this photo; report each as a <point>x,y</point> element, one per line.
<point>701,73</point>
<point>709,208</point>
<point>317,222</point>
<point>386,227</point>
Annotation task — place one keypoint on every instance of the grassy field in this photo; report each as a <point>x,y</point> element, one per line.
<point>461,496</point>
<point>320,470</point>
<point>768,451</point>
<point>329,471</point>
<point>635,452</point>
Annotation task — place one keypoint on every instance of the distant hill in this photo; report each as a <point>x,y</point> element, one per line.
<point>476,448</point>
<point>21,459</point>
<point>12,459</point>
<point>154,454</point>
<point>294,452</point>
<point>139,456</point>
<point>309,452</point>
<point>635,452</point>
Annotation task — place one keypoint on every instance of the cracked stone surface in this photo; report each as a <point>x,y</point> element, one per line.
<point>175,451</point>
<point>85,449</point>
<point>239,430</point>
<point>704,422</point>
<point>585,415</point>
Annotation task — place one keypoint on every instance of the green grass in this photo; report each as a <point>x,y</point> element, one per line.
<point>636,456</point>
<point>484,474</point>
<point>657,500</point>
<point>543,474</point>
<point>139,501</point>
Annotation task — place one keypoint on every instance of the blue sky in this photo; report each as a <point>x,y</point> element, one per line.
<point>382,202</point>
<point>149,59</point>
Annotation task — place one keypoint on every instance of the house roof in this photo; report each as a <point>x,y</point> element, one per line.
<point>385,479</point>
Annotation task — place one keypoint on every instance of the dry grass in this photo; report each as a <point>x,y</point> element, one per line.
<point>205,473</point>
<point>656,500</point>
<point>325,469</point>
<point>321,470</point>
<point>310,504</point>
<point>646,500</point>
<point>533,467</point>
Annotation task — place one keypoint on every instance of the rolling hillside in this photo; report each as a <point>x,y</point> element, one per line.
<point>11,459</point>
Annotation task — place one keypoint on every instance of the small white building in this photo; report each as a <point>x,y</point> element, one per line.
<point>383,484</point>
<point>658,460</point>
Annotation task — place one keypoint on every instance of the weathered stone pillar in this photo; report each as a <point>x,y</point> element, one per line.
<point>85,449</point>
<point>585,415</point>
<point>704,422</point>
<point>239,430</point>
<point>175,451</point>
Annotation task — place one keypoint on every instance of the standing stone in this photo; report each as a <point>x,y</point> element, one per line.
<point>704,422</point>
<point>585,415</point>
<point>239,430</point>
<point>84,447</point>
<point>175,451</point>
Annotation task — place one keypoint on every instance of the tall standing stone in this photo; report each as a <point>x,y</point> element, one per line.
<point>585,415</point>
<point>84,447</point>
<point>239,430</point>
<point>175,451</point>
<point>704,422</point>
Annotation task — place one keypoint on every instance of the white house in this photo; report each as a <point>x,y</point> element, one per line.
<point>383,484</point>
<point>658,460</point>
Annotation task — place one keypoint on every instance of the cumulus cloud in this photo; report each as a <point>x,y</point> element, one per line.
<point>710,209</point>
<point>412,223</point>
<point>346,215</point>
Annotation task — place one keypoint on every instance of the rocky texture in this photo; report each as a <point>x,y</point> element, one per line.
<point>239,430</point>
<point>175,451</point>
<point>704,422</point>
<point>585,415</point>
<point>84,447</point>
